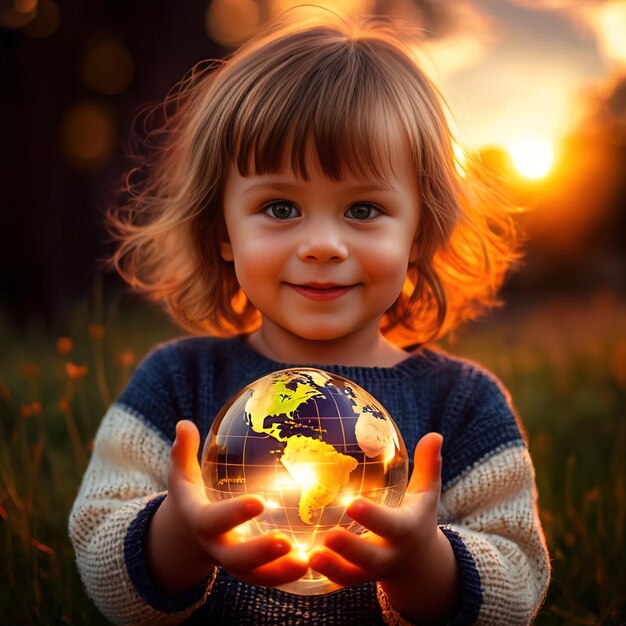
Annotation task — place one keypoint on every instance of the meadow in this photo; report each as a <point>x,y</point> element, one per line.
<point>563,359</point>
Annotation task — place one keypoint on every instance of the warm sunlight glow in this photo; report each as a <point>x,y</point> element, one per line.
<point>230,22</point>
<point>460,162</point>
<point>350,7</point>
<point>347,498</point>
<point>532,156</point>
<point>304,474</point>
<point>242,532</point>
<point>610,21</point>
<point>285,482</point>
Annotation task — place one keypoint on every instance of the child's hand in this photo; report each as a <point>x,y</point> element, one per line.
<point>189,535</point>
<point>405,550</point>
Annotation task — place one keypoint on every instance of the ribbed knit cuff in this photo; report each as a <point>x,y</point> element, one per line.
<point>139,574</point>
<point>470,593</point>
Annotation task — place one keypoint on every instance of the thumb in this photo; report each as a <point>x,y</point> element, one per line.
<point>427,465</point>
<point>185,452</point>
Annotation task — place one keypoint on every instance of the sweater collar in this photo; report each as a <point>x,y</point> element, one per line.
<point>417,362</point>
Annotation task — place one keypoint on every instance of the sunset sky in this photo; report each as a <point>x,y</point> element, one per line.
<point>510,70</point>
<point>525,68</point>
<point>518,74</point>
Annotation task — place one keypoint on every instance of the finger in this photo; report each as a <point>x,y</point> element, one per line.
<point>185,452</point>
<point>283,570</point>
<point>381,520</point>
<point>218,518</point>
<point>337,569</point>
<point>427,465</point>
<point>365,551</point>
<point>185,484</point>
<point>247,556</point>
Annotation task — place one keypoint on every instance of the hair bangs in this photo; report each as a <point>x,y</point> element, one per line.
<point>339,114</point>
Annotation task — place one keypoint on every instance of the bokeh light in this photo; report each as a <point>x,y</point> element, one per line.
<point>610,23</point>
<point>25,6</point>
<point>106,66</point>
<point>46,22</point>
<point>87,136</point>
<point>231,22</point>
<point>532,156</point>
<point>16,14</point>
<point>351,7</point>
<point>460,158</point>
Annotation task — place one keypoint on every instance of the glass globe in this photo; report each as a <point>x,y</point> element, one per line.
<point>307,442</point>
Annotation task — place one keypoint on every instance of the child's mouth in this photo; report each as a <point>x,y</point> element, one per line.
<point>321,291</point>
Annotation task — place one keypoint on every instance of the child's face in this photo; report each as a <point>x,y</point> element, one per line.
<point>321,259</point>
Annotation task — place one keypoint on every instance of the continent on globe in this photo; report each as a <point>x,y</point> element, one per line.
<point>374,435</point>
<point>319,469</point>
<point>281,394</point>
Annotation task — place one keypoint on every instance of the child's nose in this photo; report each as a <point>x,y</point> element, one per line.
<point>323,245</point>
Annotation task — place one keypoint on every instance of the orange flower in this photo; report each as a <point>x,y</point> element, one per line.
<point>546,516</point>
<point>28,410</point>
<point>75,372</point>
<point>41,546</point>
<point>5,392</point>
<point>127,358</point>
<point>593,495</point>
<point>618,363</point>
<point>29,370</point>
<point>64,345</point>
<point>96,331</point>
<point>64,404</point>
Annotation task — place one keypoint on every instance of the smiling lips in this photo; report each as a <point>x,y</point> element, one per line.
<point>321,291</point>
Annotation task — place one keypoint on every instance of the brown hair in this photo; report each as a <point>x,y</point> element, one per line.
<point>335,85</point>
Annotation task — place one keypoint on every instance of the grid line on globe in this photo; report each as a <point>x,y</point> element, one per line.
<point>307,442</point>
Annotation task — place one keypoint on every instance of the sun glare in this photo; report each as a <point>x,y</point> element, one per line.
<point>532,156</point>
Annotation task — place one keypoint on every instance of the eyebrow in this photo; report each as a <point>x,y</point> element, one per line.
<point>291,187</point>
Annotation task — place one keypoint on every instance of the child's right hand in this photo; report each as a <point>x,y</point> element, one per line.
<point>189,535</point>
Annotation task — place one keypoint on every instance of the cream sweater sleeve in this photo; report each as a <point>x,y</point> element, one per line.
<point>491,520</point>
<point>124,483</point>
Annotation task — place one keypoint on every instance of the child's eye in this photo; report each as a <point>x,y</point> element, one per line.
<point>281,210</point>
<point>362,211</point>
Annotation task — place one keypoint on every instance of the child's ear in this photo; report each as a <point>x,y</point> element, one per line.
<point>226,251</point>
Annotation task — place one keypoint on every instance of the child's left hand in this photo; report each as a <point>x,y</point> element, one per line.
<point>404,549</point>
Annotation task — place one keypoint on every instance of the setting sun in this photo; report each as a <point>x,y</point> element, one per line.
<point>532,156</point>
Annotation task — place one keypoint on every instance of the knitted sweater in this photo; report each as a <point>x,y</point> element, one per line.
<point>487,507</point>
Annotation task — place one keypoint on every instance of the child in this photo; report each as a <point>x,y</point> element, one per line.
<point>305,205</point>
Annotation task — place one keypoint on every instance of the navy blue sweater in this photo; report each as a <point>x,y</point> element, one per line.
<point>429,391</point>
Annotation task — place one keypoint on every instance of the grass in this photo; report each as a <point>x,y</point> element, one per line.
<point>565,365</point>
<point>563,361</point>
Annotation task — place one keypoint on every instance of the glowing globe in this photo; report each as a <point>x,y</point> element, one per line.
<point>307,442</point>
